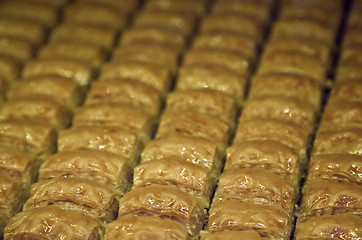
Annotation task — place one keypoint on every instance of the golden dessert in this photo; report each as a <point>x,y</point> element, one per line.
<point>341,114</point>
<point>194,124</point>
<point>341,226</point>
<point>208,101</point>
<point>16,47</point>
<point>187,176</point>
<point>151,74</point>
<point>3,89</point>
<point>195,7</point>
<point>29,137</point>
<point>52,221</point>
<point>145,51</point>
<point>240,43</point>
<point>182,21</point>
<point>352,35</point>
<point>18,165</point>
<point>288,85</point>
<point>121,115</point>
<point>32,31</point>
<point>41,110</point>
<point>346,91</point>
<point>54,4</point>
<point>327,197</point>
<point>27,10</point>
<point>105,138</point>
<point>285,132</point>
<point>342,167</point>
<point>348,72</point>
<point>166,202</point>
<point>156,34</point>
<point>351,54</point>
<point>125,91</point>
<point>212,76</point>
<point>130,227</point>
<point>233,22</point>
<point>282,108</point>
<point>3,222</point>
<point>75,194</point>
<point>57,88</point>
<point>269,221</point>
<point>100,166</point>
<point>200,151</point>
<point>89,53</point>
<point>259,186</point>
<point>214,56</point>
<point>91,34</point>
<point>81,72</point>
<point>293,62</point>
<point>12,194</point>
<point>268,154</point>
<point>95,14</point>
<point>10,68</point>
<point>231,235</point>
<point>348,141</point>
<point>127,6</point>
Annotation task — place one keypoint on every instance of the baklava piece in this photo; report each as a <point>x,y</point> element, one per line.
<point>341,114</point>
<point>130,227</point>
<point>206,101</point>
<point>95,14</point>
<point>211,76</point>
<point>157,34</point>
<point>42,110</point>
<point>91,34</point>
<point>259,186</point>
<point>10,68</point>
<point>199,151</point>
<point>268,154</point>
<point>348,72</point>
<point>125,116</point>
<point>341,226</point>
<point>89,53</point>
<point>32,31</point>
<point>145,51</point>
<point>195,7</point>
<point>53,222</point>
<point>75,194</point>
<point>231,235</point>
<point>181,21</point>
<point>352,35</point>
<point>58,88</point>
<point>4,218</point>
<point>58,4</point>
<point>151,74</point>
<point>288,85</point>
<point>342,167</point>
<point>125,91</point>
<point>105,138</point>
<point>233,41</point>
<point>283,108</point>
<point>127,6</point>
<point>294,63</point>
<point>287,133</point>
<point>346,91</point>
<point>227,58</point>
<point>187,176</point>
<point>20,166</point>
<point>27,10</point>
<point>269,221</point>
<point>351,54</point>
<point>194,124</point>
<point>29,137</point>
<point>166,202</point>
<point>81,72</point>
<point>16,47</point>
<point>347,141</point>
<point>328,197</point>
<point>100,166</point>
<point>234,22</point>
<point>12,194</point>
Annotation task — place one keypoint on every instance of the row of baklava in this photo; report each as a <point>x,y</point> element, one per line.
<point>331,207</point>
<point>175,180</point>
<point>40,106</point>
<point>258,190</point>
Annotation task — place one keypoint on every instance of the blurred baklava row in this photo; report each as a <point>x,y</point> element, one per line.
<point>258,190</point>
<point>331,206</point>
<point>84,169</point>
